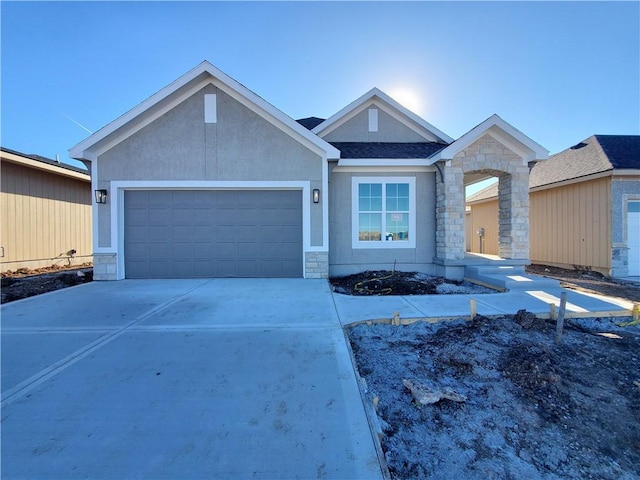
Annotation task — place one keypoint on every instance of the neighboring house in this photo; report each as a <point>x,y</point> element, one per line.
<point>585,208</point>
<point>207,179</point>
<point>45,211</point>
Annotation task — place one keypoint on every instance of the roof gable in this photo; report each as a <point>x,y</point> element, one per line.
<point>379,99</point>
<point>504,133</point>
<point>175,93</point>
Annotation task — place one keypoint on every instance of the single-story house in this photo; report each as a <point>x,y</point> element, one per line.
<point>45,211</point>
<point>207,179</point>
<point>584,208</point>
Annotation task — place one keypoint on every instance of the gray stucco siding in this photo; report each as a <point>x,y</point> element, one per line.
<point>344,259</point>
<point>180,146</point>
<point>356,129</point>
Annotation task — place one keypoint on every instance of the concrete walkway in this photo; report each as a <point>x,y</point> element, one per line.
<point>181,379</point>
<point>353,309</point>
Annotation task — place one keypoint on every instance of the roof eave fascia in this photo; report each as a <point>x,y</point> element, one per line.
<point>571,181</point>
<point>626,172</point>
<point>45,167</point>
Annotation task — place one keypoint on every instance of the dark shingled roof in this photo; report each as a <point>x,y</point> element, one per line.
<point>387,149</point>
<point>46,160</point>
<point>310,123</point>
<point>596,154</point>
<point>623,151</point>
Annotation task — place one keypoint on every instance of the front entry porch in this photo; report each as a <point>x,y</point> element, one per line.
<point>492,149</point>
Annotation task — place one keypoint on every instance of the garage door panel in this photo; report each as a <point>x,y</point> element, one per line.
<point>182,232</point>
<point>227,234</point>
<point>226,216</point>
<point>202,216</point>
<point>172,234</point>
<point>138,215</point>
<point>226,268</point>
<point>181,250</point>
<point>140,251</point>
<point>226,250</point>
<point>156,250</point>
<point>203,251</point>
<point>249,251</point>
<point>247,268</point>
<point>157,215</point>
<point>289,268</point>
<point>291,234</point>
<point>205,233</point>
<point>154,232</point>
<point>202,268</point>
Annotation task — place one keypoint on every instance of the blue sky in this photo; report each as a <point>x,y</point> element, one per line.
<point>559,72</point>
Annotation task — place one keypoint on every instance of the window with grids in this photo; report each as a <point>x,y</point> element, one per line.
<point>383,212</point>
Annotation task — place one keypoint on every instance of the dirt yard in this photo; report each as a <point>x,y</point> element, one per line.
<point>27,283</point>
<point>533,409</point>
<point>383,282</point>
<point>507,401</point>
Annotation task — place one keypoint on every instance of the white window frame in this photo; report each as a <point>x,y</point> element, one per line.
<point>382,243</point>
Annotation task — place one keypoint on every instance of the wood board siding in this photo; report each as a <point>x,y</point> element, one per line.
<point>43,215</point>
<point>569,225</point>
<point>484,215</point>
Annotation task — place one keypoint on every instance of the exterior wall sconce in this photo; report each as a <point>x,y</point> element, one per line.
<point>101,196</point>
<point>316,195</point>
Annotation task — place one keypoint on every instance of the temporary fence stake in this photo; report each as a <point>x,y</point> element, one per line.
<point>553,311</point>
<point>560,322</point>
<point>472,307</point>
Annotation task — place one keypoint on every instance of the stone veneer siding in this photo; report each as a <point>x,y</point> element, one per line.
<point>623,190</point>
<point>104,266</point>
<point>486,155</point>
<point>316,264</point>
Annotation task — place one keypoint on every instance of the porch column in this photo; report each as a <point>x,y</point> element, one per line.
<point>450,213</point>
<point>513,230</point>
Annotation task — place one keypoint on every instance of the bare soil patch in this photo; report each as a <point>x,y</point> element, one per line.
<point>384,282</point>
<point>25,282</point>
<point>533,409</point>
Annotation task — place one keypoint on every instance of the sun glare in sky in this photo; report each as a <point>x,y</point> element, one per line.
<point>408,98</point>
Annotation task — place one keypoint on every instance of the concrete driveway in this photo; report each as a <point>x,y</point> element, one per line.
<point>181,379</point>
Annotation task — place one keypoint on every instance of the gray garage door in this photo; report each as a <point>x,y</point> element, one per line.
<point>183,234</point>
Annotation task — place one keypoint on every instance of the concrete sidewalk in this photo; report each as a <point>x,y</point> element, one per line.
<point>181,379</point>
<point>353,309</point>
